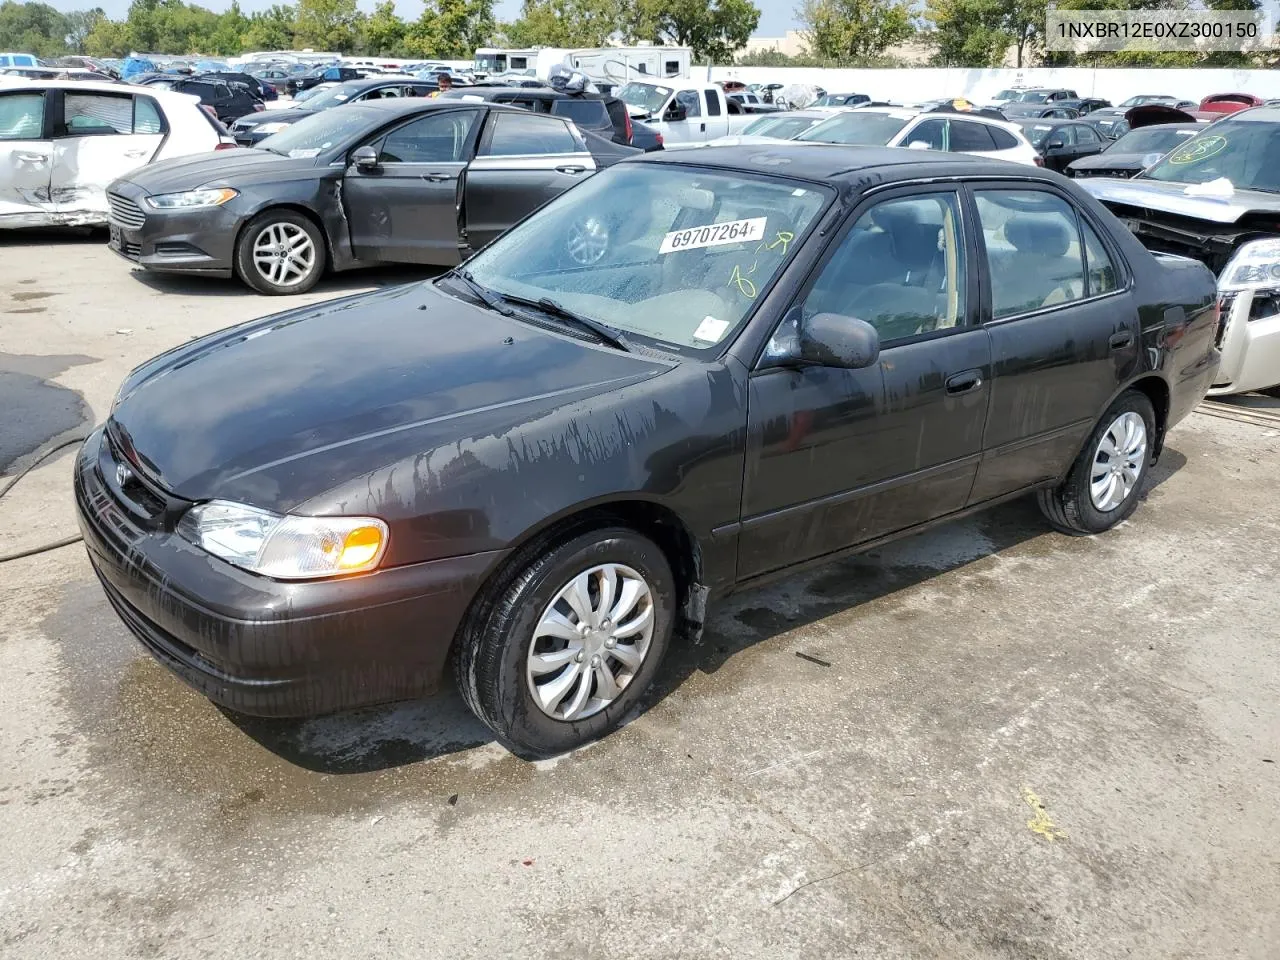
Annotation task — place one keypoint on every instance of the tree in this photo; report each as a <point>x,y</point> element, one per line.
<point>384,31</point>
<point>32,28</point>
<point>81,23</point>
<point>565,23</point>
<point>969,33</point>
<point>108,38</point>
<point>846,29</point>
<point>713,28</point>
<point>271,29</point>
<point>451,29</point>
<point>328,24</point>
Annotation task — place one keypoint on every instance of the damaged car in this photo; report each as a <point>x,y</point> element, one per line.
<point>63,142</point>
<point>1216,198</point>
<point>692,373</point>
<point>404,180</point>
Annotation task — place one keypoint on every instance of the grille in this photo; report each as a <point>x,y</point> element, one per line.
<point>125,213</point>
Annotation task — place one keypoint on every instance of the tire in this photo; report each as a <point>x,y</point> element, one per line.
<point>1073,507</point>
<point>498,661</point>
<point>281,233</point>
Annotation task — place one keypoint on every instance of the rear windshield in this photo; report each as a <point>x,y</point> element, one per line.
<point>589,113</point>
<point>1244,154</point>
<point>856,129</point>
<point>784,128</point>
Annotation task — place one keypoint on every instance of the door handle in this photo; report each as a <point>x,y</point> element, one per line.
<point>134,154</point>
<point>964,382</point>
<point>571,169</point>
<point>32,157</point>
<point>1121,340</point>
<point>439,177</point>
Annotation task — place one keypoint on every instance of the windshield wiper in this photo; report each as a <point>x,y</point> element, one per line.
<point>480,291</point>
<point>548,306</point>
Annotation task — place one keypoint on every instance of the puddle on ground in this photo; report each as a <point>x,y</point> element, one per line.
<point>31,295</point>
<point>37,410</point>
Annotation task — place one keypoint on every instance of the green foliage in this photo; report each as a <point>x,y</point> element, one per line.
<point>776,58</point>
<point>327,24</point>
<point>32,28</point>
<point>714,29</point>
<point>565,23</point>
<point>108,38</point>
<point>271,29</point>
<point>842,29</point>
<point>384,31</point>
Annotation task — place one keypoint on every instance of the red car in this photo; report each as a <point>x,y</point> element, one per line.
<point>1222,103</point>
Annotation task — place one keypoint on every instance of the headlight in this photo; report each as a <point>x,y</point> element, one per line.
<point>275,126</point>
<point>285,547</point>
<point>193,199</point>
<point>1254,265</point>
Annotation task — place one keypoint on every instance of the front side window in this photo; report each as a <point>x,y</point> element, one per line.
<point>1033,247</point>
<point>691,103</point>
<point>21,116</point>
<point>931,132</point>
<point>680,256</point>
<point>524,135</point>
<point>901,268</point>
<point>97,113</point>
<point>436,138</point>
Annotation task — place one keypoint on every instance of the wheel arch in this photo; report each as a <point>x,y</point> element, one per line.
<point>299,208</point>
<point>1157,391</point>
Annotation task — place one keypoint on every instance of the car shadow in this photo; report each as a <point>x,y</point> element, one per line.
<point>22,236</point>
<point>375,738</point>
<point>333,284</point>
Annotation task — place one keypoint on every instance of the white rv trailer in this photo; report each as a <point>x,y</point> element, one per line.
<point>614,65</point>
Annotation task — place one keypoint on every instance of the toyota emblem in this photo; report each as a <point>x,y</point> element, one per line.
<point>123,474</point>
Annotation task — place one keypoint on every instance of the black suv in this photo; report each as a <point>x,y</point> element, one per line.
<point>229,100</point>
<point>604,116</point>
<point>253,129</point>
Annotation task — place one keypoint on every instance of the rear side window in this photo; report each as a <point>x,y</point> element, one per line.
<point>146,116</point>
<point>21,116</point>
<point>968,137</point>
<point>97,113</point>
<point>1102,272</point>
<point>1003,139</point>
<point>713,103</point>
<point>518,135</point>
<point>1034,253</point>
<point>585,113</point>
<point>1086,135</point>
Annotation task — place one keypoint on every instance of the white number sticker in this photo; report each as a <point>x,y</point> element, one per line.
<point>714,235</point>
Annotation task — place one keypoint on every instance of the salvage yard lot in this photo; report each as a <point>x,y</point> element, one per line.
<point>1000,742</point>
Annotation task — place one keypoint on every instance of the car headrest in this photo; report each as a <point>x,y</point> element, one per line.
<point>1038,233</point>
<point>889,216</point>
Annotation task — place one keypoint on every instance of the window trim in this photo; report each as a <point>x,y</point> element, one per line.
<point>971,319</point>
<point>1124,274</point>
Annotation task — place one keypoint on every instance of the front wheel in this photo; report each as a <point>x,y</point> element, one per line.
<point>1103,486</point>
<point>280,252</point>
<point>564,648</point>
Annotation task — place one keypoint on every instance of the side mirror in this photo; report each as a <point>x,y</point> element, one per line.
<point>919,145</point>
<point>675,112</point>
<point>834,340</point>
<point>1055,144</point>
<point>365,158</point>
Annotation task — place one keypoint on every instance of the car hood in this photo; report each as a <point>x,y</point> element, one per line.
<point>280,410</point>
<point>1109,160</point>
<point>283,114</point>
<point>225,167</point>
<point>1173,198</point>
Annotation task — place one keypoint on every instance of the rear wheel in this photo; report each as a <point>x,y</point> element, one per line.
<point>558,653</point>
<point>1105,482</point>
<point>280,252</point>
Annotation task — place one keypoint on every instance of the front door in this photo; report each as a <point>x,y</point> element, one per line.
<point>102,137</point>
<point>524,160</point>
<point>26,160</point>
<point>841,457</point>
<point>1064,334</point>
<point>405,208</point>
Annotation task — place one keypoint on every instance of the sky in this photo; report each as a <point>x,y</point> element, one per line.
<point>776,16</point>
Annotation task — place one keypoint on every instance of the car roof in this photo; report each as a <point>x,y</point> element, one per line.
<point>821,163</point>
<point>1052,122</point>
<point>1254,115</point>
<point>1168,126</point>
<point>409,104</point>
<point>93,86</point>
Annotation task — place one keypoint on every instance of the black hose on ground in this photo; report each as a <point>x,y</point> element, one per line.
<point>65,541</point>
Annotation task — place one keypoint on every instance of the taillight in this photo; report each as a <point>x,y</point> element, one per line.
<point>257,107</point>
<point>226,145</point>
<point>1039,160</point>
<point>630,129</point>
<point>658,137</point>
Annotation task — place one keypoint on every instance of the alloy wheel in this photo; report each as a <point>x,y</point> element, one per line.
<point>284,254</point>
<point>590,642</point>
<point>1118,462</point>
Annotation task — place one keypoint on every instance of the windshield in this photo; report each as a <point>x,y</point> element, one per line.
<point>1037,132</point>
<point>678,255</point>
<point>317,133</point>
<point>1149,140</point>
<point>490,62</point>
<point>1006,95</point>
<point>1139,101</point>
<point>784,128</point>
<point>1033,96</point>
<point>856,129</point>
<point>646,96</point>
<point>1244,152</point>
<point>336,95</point>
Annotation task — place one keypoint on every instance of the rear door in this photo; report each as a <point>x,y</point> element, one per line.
<point>100,137</point>
<point>524,160</point>
<point>1088,142</point>
<point>406,208</point>
<point>969,136</point>
<point>717,117</point>
<point>1064,332</point>
<point>26,159</point>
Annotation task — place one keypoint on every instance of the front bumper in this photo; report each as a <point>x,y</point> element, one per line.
<point>1250,350</point>
<point>172,241</point>
<point>261,646</point>
<point>248,137</point>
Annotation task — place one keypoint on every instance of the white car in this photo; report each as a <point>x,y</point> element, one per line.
<point>62,142</point>
<point>956,131</point>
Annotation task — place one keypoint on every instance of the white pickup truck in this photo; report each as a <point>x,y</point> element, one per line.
<point>687,114</point>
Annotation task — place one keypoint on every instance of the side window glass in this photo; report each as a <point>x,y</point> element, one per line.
<point>901,268</point>
<point>1086,135</point>
<point>1102,272</point>
<point>436,138</point>
<point>22,116</point>
<point>97,113</point>
<point>932,132</point>
<point>967,137</point>
<point>146,118</point>
<point>690,101</point>
<point>517,135</point>
<point>1066,134</point>
<point>1033,250</point>
<point>221,90</point>
<point>713,103</point>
